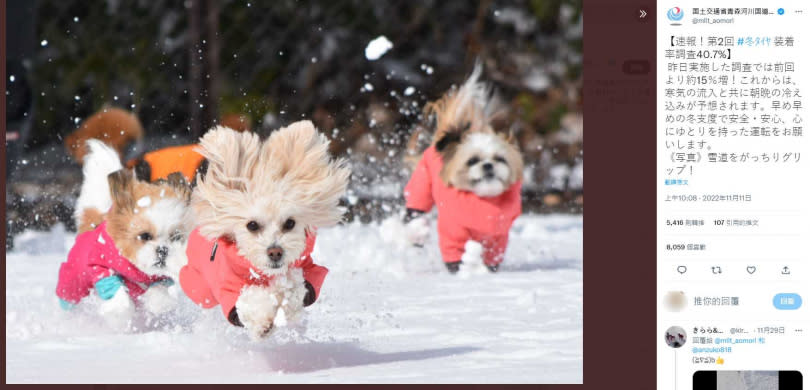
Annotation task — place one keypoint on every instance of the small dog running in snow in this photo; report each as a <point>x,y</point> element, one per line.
<point>257,207</point>
<point>472,174</point>
<point>131,241</point>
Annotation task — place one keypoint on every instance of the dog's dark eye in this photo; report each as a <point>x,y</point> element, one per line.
<point>145,236</point>
<point>176,236</point>
<point>289,224</point>
<point>500,159</point>
<point>253,226</point>
<point>473,161</point>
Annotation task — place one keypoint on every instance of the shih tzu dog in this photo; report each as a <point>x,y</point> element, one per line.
<point>257,208</point>
<point>131,241</point>
<point>471,173</point>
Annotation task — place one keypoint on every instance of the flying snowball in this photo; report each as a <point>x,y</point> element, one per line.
<point>144,202</point>
<point>378,47</point>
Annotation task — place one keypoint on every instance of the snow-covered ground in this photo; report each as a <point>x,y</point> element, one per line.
<point>384,315</point>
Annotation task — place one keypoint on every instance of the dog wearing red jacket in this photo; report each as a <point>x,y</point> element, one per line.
<point>257,207</point>
<point>472,174</point>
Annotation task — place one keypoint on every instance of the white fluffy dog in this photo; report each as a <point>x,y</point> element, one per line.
<point>257,208</point>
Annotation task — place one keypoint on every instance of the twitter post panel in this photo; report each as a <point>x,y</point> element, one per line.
<point>732,193</point>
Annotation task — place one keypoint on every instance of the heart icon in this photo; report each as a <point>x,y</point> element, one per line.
<point>681,269</point>
<point>751,269</point>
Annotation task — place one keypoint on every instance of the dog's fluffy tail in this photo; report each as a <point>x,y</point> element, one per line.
<point>114,126</point>
<point>470,106</point>
<point>94,198</point>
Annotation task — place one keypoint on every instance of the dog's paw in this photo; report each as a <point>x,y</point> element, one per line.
<point>157,299</point>
<point>256,308</point>
<point>417,231</point>
<point>472,261</point>
<point>290,290</point>
<point>118,311</point>
<point>310,296</point>
<point>413,233</point>
<point>473,252</point>
<point>391,231</point>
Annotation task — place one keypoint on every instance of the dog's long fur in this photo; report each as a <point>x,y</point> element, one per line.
<point>94,197</point>
<point>473,103</point>
<point>250,193</point>
<point>465,138</point>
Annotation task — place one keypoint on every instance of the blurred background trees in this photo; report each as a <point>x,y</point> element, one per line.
<point>183,65</point>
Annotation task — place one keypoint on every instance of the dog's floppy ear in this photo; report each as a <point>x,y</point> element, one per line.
<point>513,156</point>
<point>448,139</point>
<point>498,118</point>
<point>224,184</point>
<point>231,157</point>
<point>177,181</point>
<point>285,149</point>
<point>143,171</point>
<point>121,185</point>
<point>199,173</point>
<point>451,138</point>
<point>509,136</point>
<point>295,161</point>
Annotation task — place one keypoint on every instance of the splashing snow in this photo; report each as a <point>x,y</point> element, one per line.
<point>281,318</point>
<point>383,314</point>
<point>378,47</point>
<point>144,202</point>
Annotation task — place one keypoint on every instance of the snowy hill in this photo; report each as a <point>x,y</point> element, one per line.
<point>384,315</point>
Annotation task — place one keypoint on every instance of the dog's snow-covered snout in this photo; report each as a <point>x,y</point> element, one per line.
<point>167,217</point>
<point>275,253</point>
<point>157,255</point>
<point>269,241</point>
<point>161,253</point>
<point>488,176</point>
<point>276,250</point>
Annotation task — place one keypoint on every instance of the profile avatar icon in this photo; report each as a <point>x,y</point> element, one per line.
<point>675,14</point>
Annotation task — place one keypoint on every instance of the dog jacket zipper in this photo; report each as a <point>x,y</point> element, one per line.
<point>214,251</point>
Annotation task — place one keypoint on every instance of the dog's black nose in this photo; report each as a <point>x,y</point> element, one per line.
<point>275,253</point>
<point>487,167</point>
<point>162,252</point>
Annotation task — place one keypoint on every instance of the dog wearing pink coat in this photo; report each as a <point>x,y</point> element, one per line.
<point>471,174</point>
